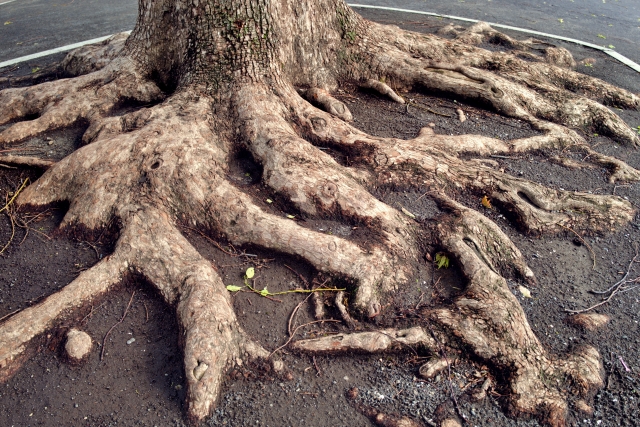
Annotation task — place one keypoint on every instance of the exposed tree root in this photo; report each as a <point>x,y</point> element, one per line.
<point>62,103</point>
<point>26,161</point>
<point>156,167</point>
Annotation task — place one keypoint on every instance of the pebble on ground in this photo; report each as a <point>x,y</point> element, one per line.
<point>78,345</point>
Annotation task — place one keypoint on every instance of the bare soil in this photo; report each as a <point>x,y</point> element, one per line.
<point>140,382</point>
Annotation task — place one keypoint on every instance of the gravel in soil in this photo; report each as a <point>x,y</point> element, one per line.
<point>139,382</point>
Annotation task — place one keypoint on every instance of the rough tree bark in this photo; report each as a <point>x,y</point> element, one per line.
<point>220,76</point>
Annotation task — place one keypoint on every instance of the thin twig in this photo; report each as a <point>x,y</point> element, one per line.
<point>294,312</point>
<point>593,255</point>
<point>93,247</point>
<point>497,156</point>
<point>296,330</point>
<point>13,233</point>
<point>126,310</point>
<point>260,293</point>
<point>618,287</point>
<point>319,373</point>
<point>298,274</point>
<point>24,184</point>
<point>216,244</point>
<point>418,105</point>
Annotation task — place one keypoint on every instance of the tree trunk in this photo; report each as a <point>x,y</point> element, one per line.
<point>223,42</point>
<point>211,78</point>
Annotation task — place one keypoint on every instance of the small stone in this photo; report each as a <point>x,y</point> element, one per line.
<point>131,341</point>
<point>78,345</point>
<point>583,407</point>
<point>433,367</point>
<point>352,393</point>
<point>589,321</point>
<point>451,422</point>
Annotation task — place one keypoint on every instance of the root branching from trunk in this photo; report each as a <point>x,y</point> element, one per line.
<point>166,163</point>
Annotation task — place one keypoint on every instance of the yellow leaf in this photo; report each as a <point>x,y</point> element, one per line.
<point>409,214</point>
<point>561,20</point>
<point>250,273</point>
<point>485,202</point>
<point>8,22</point>
<point>524,291</point>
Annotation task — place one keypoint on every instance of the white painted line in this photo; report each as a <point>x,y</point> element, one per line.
<point>5,2</point>
<point>626,61</point>
<point>56,50</point>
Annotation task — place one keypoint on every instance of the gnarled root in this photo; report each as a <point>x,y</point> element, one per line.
<point>489,321</point>
<point>62,103</point>
<point>514,87</point>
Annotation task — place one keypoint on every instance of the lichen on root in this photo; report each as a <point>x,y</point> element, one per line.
<point>243,75</point>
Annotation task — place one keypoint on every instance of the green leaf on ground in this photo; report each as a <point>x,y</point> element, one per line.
<point>264,292</point>
<point>250,273</point>
<point>442,260</point>
<point>233,288</point>
<point>601,36</point>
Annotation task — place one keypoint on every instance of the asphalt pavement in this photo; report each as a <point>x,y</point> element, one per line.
<point>31,26</point>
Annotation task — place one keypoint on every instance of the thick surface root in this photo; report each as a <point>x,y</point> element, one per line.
<point>17,331</point>
<point>62,103</point>
<point>489,320</point>
<point>368,342</point>
<point>515,87</point>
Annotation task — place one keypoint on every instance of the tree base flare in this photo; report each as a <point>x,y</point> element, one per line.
<point>164,162</point>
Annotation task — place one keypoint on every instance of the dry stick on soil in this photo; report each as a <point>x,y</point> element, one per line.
<point>10,215</point>
<point>126,310</point>
<point>343,310</point>
<point>296,330</point>
<point>593,255</point>
<point>26,161</point>
<point>13,233</point>
<point>92,247</point>
<point>15,195</point>
<point>213,242</point>
<point>618,287</point>
<point>294,312</point>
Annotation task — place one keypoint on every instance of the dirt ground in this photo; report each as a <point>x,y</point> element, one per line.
<point>139,381</point>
